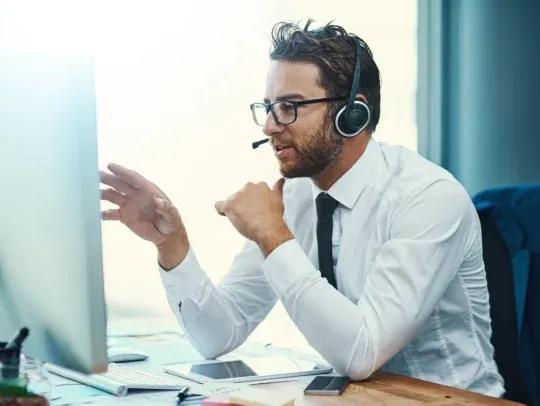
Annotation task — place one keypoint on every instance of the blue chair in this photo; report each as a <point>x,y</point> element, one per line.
<point>510,219</point>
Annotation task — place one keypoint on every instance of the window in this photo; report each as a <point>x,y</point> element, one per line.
<point>162,70</point>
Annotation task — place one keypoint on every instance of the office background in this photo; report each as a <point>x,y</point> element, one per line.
<point>174,80</point>
<point>174,83</point>
<point>479,110</point>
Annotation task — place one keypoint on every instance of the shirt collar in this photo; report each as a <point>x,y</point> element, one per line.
<point>347,189</point>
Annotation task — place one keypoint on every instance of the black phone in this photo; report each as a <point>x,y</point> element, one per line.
<point>327,385</point>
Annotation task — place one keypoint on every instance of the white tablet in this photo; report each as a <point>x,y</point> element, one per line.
<point>246,370</point>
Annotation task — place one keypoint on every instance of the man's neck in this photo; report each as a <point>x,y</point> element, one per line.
<point>352,151</point>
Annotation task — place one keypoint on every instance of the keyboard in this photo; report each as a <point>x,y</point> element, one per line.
<point>119,379</point>
<point>139,379</point>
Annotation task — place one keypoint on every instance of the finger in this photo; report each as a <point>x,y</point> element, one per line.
<point>112,196</point>
<point>115,182</point>
<point>166,210</point>
<point>128,175</point>
<point>113,214</point>
<point>220,207</point>
<point>278,187</point>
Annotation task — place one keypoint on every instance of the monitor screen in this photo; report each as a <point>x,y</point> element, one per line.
<point>50,237</point>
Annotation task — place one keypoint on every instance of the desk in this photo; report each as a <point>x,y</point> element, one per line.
<point>380,389</point>
<point>389,389</point>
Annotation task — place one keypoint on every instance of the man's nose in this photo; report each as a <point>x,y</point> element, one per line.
<point>271,127</point>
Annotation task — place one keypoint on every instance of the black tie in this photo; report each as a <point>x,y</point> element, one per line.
<point>326,205</point>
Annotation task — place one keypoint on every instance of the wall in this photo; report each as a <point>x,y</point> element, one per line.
<point>479,88</point>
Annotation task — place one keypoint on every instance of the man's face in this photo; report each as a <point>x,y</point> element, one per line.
<point>307,146</point>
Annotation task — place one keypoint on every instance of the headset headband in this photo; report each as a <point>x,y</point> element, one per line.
<point>356,76</point>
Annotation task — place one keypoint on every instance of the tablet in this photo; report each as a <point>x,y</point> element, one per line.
<point>246,370</point>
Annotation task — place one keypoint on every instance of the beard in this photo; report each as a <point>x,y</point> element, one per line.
<point>317,150</point>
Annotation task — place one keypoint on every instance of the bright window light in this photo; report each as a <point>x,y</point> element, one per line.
<point>174,81</point>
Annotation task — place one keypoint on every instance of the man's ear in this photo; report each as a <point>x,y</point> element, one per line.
<point>361,97</point>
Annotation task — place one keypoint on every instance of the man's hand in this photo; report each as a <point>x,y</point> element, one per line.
<point>256,212</point>
<point>146,211</point>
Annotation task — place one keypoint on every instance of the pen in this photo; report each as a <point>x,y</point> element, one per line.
<point>183,395</point>
<point>16,342</point>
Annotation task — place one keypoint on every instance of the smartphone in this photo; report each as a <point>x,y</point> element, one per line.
<point>327,385</point>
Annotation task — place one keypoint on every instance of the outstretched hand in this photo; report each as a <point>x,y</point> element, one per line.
<point>142,206</point>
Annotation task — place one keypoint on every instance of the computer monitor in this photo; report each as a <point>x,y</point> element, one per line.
<point>50,233</point>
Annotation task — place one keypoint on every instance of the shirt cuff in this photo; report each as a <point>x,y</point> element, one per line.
<point>287,265</point>
<point>185,279</point>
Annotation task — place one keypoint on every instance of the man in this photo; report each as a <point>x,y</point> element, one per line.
<point>374,251</point>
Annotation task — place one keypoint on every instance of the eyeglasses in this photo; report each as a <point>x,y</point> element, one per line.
<point>284,112</point>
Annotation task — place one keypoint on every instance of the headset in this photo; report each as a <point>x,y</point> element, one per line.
<point>353,117</point>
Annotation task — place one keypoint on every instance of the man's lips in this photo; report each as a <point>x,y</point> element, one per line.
<point>281,151</point>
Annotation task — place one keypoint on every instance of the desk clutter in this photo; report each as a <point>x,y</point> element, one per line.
<point>19,375</point>
<point>163,349</point>
<point>143,380</point>
<point>23,401</point>
<point>251,397</point>
<point>171,347</point>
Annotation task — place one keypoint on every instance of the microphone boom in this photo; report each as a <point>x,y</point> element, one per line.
<point>257,144</point>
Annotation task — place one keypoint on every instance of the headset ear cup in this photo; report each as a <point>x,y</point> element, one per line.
<point>350,122</point>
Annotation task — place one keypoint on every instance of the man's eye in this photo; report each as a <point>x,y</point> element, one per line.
<point>286,107</point>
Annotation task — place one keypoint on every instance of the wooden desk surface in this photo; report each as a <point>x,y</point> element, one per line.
<point>390,389</point>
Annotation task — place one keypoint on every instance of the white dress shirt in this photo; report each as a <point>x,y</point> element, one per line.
<point>412,295</point>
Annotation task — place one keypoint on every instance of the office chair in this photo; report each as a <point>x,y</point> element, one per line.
<point>510,220</point>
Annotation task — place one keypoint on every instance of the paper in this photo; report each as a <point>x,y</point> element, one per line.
<point>73,394</point>
<point>261,397</point>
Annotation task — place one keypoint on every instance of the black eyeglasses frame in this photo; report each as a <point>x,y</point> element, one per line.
<point>269,107</point>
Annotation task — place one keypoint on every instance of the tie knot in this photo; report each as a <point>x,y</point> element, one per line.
<point>326,205</point>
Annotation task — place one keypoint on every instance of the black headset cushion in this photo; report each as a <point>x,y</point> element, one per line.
<point>353,119</point>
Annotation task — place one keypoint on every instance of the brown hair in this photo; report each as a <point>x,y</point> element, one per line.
<point>332,49</point>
